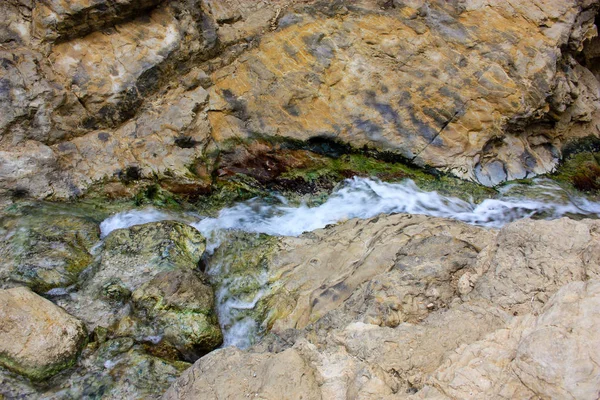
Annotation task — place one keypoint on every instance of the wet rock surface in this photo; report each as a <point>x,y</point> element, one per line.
<point>146,304</point>
<point>45,252</point>
<point>190,105</point>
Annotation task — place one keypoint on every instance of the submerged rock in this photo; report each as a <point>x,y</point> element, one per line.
<point>37,338</point>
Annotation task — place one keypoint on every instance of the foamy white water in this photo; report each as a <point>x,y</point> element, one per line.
<point>130,218</point>
<point>365,198</point>
<point>358,198</point>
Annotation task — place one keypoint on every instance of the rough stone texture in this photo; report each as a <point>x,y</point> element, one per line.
<point>266,376</point>
<point>109,369</point>
<point>487,89</point>
<point>553,355</point>
<point>407,306</point>
<point>129,259</point>
<point>149,308</point>
<point>37,338</point>
<point>60,19</point>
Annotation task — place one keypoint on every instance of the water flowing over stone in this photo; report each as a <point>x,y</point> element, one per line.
<point>358,198</point>
<point>365,198</point>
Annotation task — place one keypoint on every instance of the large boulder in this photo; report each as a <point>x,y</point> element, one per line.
<point>420,307</point>
<point>443,84</point>
<point>37,338</point>
<point>113,84</point>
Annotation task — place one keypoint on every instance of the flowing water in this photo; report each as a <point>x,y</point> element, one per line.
<point>357,198</point>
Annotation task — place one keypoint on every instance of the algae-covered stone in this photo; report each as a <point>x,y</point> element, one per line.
<point>37,338</point>
<point>179,306</point>
<point>238,271</point>
<point>48,251</point>
<point>130,258</point>
<point>164,244</point>
<point>119,369</point>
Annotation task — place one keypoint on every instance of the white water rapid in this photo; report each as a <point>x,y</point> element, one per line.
<point>357,198</point>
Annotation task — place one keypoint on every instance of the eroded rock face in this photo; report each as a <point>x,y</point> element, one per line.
<point>488,90</point>
<point>37,338</point>
<point>414,307</point>
<point>61,20</point>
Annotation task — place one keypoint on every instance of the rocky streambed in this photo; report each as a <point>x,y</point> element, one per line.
<point>369,292</point>
<point>299,199</point>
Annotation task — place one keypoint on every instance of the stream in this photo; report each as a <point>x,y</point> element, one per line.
<point>356,198</point>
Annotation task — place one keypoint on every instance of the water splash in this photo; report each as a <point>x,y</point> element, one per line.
<point>365,198</point>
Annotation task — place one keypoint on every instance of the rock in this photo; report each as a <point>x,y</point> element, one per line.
<point>37,338</point>
<point>376,309</point>
<point>523,274</point>
<point>119,370</point>
<point>549,356</point>
<point>268,376</point>
<point>130,258</point>
<point>46,250</point>
<point>418,260</point>
<point>179,305</point>
<point>558,353</point>
<point>115,369</point>
<point>320,74</point>
<point>108,85</point>
<point>150,144</point>
<point>61,20</point>
<point>110,74</point>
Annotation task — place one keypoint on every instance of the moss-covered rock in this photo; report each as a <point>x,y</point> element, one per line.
<point>179,305</point>
<point>161,245</point>
<point>580,171</point>
<point>128,259</point>
<point>46,251</point>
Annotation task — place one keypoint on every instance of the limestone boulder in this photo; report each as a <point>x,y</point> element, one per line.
<point>525,271</point>
<point>446,86</point>
<point>37,338</point>
<point>490,91</point>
